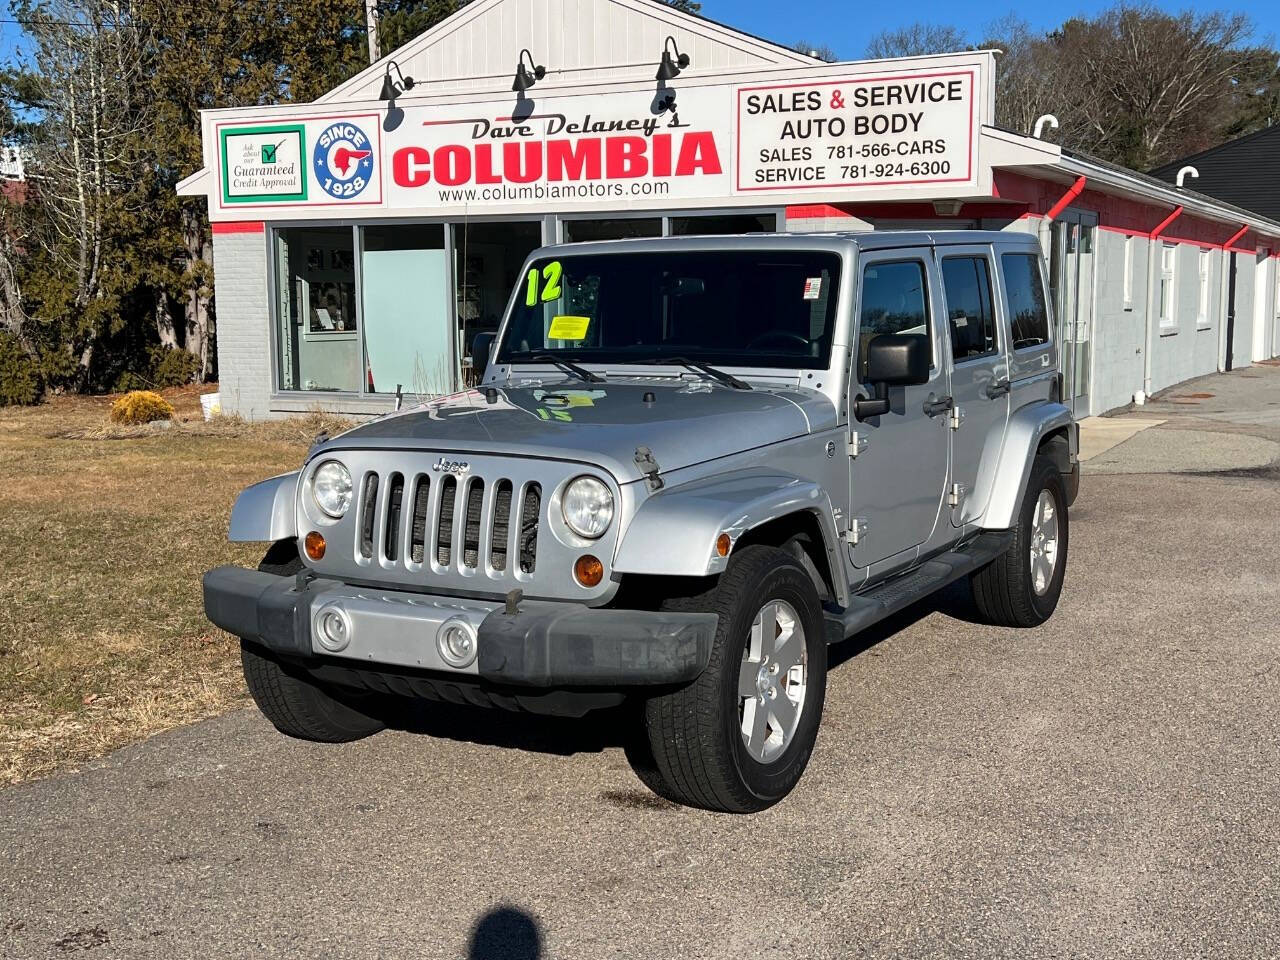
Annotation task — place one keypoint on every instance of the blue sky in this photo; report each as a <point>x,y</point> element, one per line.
<point>847,26</point>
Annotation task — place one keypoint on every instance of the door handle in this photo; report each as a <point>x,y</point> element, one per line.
<point>997,389</point>
<point>936,405</point>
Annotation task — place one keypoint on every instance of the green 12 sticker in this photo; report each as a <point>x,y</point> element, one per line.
<point>549,277</point>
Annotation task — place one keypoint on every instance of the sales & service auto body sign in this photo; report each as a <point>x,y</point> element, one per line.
<point>825,137</point>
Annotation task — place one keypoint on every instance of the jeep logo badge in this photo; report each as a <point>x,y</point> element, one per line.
<point>451,466</point>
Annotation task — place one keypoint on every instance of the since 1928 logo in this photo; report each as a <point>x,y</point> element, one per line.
<point>343,160</point>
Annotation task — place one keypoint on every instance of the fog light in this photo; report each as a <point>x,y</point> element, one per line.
<point>333,629</point>
<point>456,641</point>
<point>588,570</point>
<point>314,545</point>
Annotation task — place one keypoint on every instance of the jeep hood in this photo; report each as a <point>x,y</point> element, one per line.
<point>682,422</point>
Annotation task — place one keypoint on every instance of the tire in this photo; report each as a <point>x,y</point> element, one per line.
<point>694,735</point>
<point>294,703</point>
<point>1005,591</point>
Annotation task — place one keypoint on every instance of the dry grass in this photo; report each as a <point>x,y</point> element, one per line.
<point>104,533</point>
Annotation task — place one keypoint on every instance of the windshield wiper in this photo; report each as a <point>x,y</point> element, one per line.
<point>568,366</point>
<point>728,379</point>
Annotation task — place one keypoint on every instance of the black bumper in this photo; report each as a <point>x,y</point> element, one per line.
<point>545,645</point>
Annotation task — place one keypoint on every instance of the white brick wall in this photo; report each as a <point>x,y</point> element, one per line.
<point>244,325</point>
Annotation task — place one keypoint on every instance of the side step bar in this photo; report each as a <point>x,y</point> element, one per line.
<point>887,598</point>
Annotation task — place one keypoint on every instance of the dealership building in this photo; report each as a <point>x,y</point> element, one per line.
<point>362,240</point>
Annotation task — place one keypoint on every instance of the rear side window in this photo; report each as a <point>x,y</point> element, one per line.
<point>967,281</point>
<point>1028,315</point>
<point>893,301</point>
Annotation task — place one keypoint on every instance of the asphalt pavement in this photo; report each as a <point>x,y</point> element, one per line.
<point>1107,785</point>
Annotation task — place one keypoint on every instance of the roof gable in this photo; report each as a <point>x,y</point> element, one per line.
<point>578,41</point>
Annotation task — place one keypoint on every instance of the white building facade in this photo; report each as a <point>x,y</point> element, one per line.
<point>360,242</point>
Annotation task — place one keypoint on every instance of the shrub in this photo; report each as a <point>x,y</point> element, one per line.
<point>172,368</point>
<point>141,406</point>
<point>20,380</point>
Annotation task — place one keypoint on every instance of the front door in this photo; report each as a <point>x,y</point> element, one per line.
<point>1072,275</point>
<point>899,468</point>
<point>979,374</point>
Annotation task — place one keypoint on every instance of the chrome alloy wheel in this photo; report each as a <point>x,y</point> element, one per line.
<point>1044,542</point>
<point>772,681</point>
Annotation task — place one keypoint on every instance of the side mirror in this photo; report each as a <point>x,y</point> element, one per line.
<point>893,360</point>
<point>480,349</point>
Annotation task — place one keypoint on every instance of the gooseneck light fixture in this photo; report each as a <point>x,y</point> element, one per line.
<point>390,88</point>
<point>527,78</point>
<point>670,67</point>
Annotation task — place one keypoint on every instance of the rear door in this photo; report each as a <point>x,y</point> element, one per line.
<point>979,372</point>
<point>899,468</point>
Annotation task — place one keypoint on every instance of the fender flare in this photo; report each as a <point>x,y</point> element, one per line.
<point>266,511</point>
<point>673,533</point>
<point>1027,427</point>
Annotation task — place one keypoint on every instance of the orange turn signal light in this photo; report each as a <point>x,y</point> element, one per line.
<point>723,544</point>
<point>588,570</point>
<point>314,545</point>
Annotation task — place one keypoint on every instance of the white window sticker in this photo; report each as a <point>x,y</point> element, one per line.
<point>813,288</point>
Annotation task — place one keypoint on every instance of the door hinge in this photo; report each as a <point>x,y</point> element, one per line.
<point>957,494</point>
<point>858,527</point>
<point>957,418</point>
<point>857,444</point>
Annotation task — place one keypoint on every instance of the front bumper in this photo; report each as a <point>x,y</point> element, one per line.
<point>547,645</point>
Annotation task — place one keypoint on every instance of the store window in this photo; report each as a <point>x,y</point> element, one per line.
<point>620,228</point>
<point>489,258</point>
<point>403,284</point>
<point>1168,276</point>
<point>318,332</point>
<point>1028,314</point>
<point>725,224</point>
<point>1202,310</point>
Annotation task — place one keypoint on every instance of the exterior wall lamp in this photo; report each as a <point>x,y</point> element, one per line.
<point>391,89</point>
<point>670,67</point>
<point>526,78</point>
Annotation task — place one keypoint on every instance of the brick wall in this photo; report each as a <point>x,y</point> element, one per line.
<point>244,327</point>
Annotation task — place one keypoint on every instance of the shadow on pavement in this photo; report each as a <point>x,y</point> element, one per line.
<point>507,933</point>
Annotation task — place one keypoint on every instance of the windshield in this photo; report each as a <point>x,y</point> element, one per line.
<point>746,308</point>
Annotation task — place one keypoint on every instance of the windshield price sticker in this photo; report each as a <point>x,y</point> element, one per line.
<point>858,132</point>
<point>568,328</point>
<point>813,288</point>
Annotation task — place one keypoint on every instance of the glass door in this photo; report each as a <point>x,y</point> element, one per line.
<point>488,258</point>
<point>1071,269</point>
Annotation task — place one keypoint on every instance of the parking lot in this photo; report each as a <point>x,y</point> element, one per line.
<point>1107,785</point>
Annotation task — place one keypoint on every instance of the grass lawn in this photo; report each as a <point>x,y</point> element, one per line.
<point>104,534</point>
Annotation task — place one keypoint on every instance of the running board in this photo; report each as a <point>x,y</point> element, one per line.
<point>898,593</point>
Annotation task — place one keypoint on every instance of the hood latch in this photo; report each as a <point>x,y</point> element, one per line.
<point>648,465</point>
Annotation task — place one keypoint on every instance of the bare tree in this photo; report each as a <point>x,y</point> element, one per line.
<point>819,51</point>
<point>87,68</point>
<point>1026,72</point>
<point>916,40</point>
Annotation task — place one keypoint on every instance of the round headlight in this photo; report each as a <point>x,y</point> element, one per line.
<point>331,487</point>
<point>587,507</point>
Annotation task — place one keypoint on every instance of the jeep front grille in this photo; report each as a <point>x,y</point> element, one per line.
<point>467,519</point>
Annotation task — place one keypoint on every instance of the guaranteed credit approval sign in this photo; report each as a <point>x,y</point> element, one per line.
<point>858,131</point>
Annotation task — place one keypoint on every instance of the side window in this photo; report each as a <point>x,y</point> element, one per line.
<point>1028,315</point>
<point>893,301</point>
<point>967,282</point>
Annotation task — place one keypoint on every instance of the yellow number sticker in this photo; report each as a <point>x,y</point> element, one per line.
<point>551,274</point>
<point>568,328</point>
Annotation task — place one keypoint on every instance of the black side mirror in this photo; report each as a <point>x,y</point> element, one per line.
<point>480,348</point>
<point>893,360</point>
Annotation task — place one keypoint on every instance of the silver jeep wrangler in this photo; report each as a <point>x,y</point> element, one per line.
<point>690,465</point>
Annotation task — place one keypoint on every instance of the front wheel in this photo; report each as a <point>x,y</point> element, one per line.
<point>1021,587</point>
<point>738,738</point>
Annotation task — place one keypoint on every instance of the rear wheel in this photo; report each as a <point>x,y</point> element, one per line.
<point>287,696</point>
<point>739,737</point>
<point>1021,587</point>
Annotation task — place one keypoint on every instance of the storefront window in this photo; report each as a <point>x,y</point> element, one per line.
<point>622,228</point>
<point>489,257</point>
<point>318,324</point>
<point>404,282</point>
<point>726,224</point>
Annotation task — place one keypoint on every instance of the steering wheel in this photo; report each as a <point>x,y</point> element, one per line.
<point>778,335</point>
